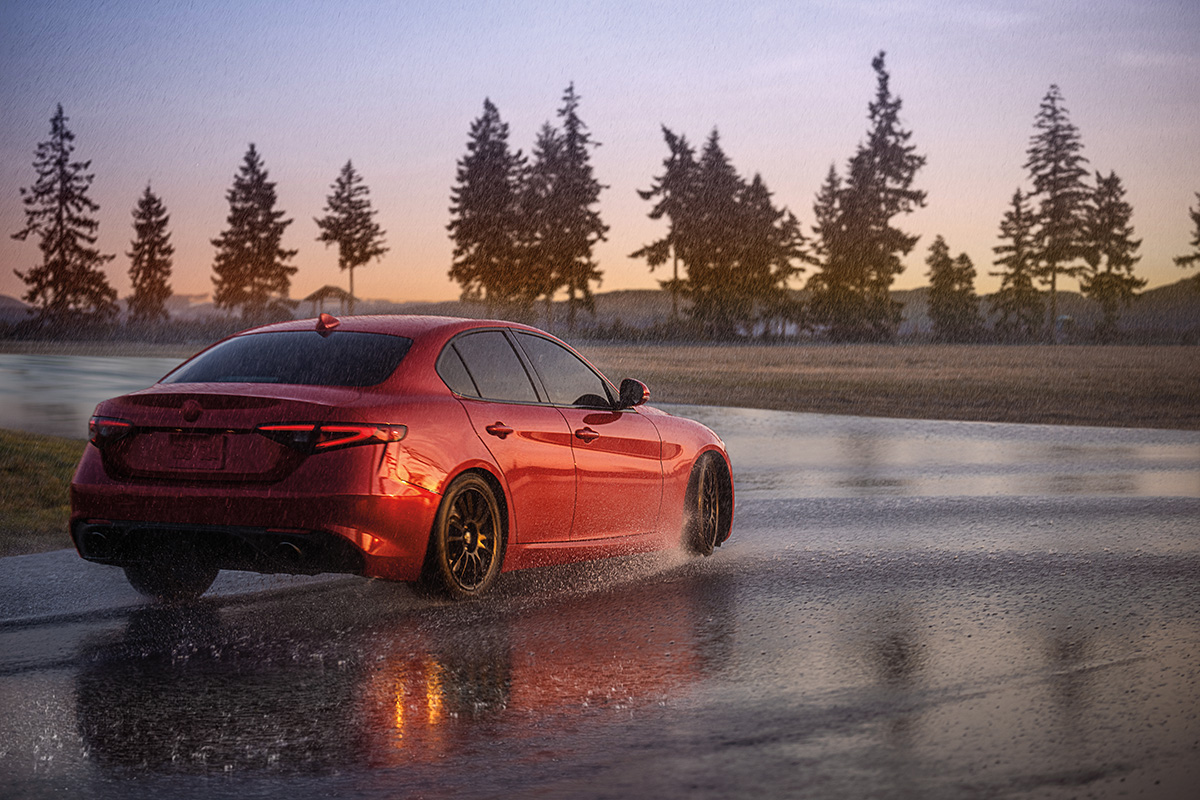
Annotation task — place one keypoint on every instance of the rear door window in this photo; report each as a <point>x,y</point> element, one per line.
<point>493,366</point>
<point>306,358</point>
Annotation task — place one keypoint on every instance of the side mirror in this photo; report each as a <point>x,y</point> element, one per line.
<point>633,393</point>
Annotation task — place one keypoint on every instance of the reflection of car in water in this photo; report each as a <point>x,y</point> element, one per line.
<point>410,448</point>
<point>184,690</point>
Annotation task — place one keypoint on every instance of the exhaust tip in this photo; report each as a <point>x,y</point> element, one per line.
<point>96,544</point>
<point>289,552</point>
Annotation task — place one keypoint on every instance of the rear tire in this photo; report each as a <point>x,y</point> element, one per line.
<point>466,546</point>
<point>171,582</point>
<point>705,506</point>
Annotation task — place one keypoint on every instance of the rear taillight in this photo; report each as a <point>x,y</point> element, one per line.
<point>309,437</point>
<point>103,431</point>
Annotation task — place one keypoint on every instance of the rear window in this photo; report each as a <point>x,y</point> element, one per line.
<point>343,358</point>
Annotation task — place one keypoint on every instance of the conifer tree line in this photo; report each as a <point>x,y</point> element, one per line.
<point>524,229</point>
<point>737,249</point>
<point>252,270</point>
<point>1065,225</point>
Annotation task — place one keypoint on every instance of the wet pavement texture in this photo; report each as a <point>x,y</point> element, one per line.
<point>905,609</point>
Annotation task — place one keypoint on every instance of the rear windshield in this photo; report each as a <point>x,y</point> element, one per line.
<point>343,358</point>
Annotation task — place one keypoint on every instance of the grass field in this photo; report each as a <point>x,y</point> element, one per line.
<point>1151,387</point>
<point>1118,386</point>
<point>35,472</point>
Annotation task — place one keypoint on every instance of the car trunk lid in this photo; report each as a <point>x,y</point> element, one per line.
<point>208,432</point>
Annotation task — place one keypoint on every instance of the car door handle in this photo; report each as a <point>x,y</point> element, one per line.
<point>587,435</point>
<point>499,429</point>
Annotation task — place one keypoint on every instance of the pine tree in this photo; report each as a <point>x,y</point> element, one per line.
<point>712,282</point>
<point>541,237</point>
<point>1055,163</point>
<point>578,224</point>
<point>251,266</point>
<point>827,217</point>
<point>737,249</point>
<point>953,305</point>
<point>676,191</point>
<point>349,222</point>
<point>860,249</point>
<point>1111,253</point>
<point>485,211</point>
<point>772,251</point>
<point>1193,258</point>
<point>68,285</point>
<point>1018,302</point>
<point>150,259</point>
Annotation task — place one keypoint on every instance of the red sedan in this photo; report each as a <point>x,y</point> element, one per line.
<point>428,449</point>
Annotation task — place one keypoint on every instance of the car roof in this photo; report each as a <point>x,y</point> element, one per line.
<point>413,326</point>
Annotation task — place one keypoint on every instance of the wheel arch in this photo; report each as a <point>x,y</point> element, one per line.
<point>484,471</point>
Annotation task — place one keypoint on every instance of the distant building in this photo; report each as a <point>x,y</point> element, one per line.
<point>318,299</point>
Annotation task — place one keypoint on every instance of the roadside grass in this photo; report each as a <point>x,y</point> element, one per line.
<point>35,474</point>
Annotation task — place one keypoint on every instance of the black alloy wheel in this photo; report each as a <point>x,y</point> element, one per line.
<point>467,544</point>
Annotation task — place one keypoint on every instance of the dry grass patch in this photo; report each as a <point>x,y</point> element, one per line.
<point>35,475</point>
<point>1151,386</point>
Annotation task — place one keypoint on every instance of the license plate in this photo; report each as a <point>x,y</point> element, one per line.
<point>197,450</point>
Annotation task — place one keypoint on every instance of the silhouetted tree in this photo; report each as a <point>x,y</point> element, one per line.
<point>577,226</point>
<point>675,190</point>
<point>827,217</point>
<point>150,259</point>
<point>716,240</point>
<point>350,223</point>
<point>68,285</point>
<point>1111,253</point>
<point>772,251</point>
<point>541,233</point>
<point>1060,189</point>
<point>953,305</point>
<point>251,266</point>
<point>860,250</point>
<point>1193,258</point>
<point>738,250</point>
<point>485,224</point>
<point>1018,302</point>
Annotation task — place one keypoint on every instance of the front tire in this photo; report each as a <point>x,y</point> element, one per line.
<point>705,511</point>
<point>171,582</point>
<point>466,547</point>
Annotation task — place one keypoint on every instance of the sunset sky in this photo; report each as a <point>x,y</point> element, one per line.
<point>172,94</point>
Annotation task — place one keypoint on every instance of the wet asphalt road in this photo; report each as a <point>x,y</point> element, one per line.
<point>906,609</point>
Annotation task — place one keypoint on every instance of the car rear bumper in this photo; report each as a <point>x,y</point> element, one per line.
<point>295,552</point>
<point>260,528</point>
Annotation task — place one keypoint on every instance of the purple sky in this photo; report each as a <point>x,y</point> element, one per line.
<point>172,93</point>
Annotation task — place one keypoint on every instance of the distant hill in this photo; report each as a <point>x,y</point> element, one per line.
<point>12,310</point>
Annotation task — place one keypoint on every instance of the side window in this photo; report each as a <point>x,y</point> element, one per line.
<point>569,380</point>
<point>494,367</point>
<point>450,368</point>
